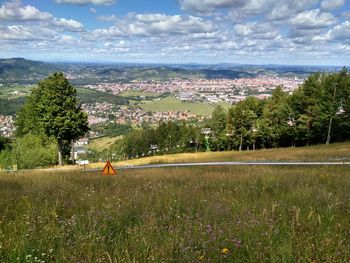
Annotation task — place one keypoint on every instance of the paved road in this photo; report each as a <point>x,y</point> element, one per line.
<point>272,163</point>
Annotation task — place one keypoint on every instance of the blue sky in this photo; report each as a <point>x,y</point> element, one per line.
<point>304,32</point>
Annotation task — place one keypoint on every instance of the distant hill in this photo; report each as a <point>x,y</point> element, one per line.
<point>20,70</point>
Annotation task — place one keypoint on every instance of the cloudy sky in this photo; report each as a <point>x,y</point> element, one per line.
<point>178,31</point>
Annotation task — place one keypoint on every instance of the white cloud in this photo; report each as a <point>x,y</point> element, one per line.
<point>240,10</point>
<point>302,4</point>
<point>280,12</point>
<point>340,32</point>
<point>110,18</point>
<point>16,33</point>
<point>155,25</point>
<point>311,19</point>
<point>69,24</point>
<point>25,33</point>
<point>258,6</point>
<point>93,10</point>
<point>332,4</point>
<point>103,33</point>
<point>86,2</point>
<point>256,30</point>
<point>15,11</point>
<point>28,23</point>
<point>66,39</point>
<point>207,6</point>
<point>120,46</point>
<point>158,24</point>
<point>209,35</point>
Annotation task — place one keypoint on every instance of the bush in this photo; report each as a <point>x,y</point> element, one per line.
<point>30,151</point>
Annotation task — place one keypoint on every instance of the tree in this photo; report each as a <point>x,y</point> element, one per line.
<point>31,151</point>
<point>53,109</point>
<point>277,112</point>
<point>244,119</point>
<point>217,123</point>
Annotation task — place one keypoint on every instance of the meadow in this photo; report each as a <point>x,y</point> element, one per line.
<point>138,93</point>
<point>173,104</point>
<point>209,214</point>
<point>102,143</point>
<point>14,92</point>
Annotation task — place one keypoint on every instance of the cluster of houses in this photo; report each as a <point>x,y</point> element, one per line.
<point>206,90</point>
<point>7,127</point>
<point>106,112</point>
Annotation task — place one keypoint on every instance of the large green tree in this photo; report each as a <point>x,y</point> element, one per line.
<point>53,110</point>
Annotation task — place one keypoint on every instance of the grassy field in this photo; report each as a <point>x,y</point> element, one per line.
<point>136,93</point>
<point>216,214</point>
<point>102,143</point>
<point>14,92</point>
<point>173,104</point>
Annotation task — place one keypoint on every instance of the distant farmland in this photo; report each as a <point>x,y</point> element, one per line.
<point>173,104</point>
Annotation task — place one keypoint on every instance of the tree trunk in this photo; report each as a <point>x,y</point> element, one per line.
<point>329,131</point>
<point>241,144</point>
<point>73,159</point>
<point>60,148</point>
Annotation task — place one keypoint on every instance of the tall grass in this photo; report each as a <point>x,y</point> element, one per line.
<point>212,214</point>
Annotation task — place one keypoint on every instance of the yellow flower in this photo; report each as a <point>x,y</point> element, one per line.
<point>224,250</point>
<point>201,257</point>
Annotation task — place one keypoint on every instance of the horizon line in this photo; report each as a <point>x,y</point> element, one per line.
<point>175,63</point>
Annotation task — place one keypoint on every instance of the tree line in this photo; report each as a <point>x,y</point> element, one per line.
<point>317,112</point>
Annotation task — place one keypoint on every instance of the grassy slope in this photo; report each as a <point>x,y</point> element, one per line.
<point>333,152</point>
<point>102,143</point>
<point>212,214</point>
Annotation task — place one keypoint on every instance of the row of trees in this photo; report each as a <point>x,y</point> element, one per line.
<point>317,112</point>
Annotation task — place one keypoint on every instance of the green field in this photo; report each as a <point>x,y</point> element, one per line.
<point>102,143</point>
<point>137,93</point>
<point>14,92</point>
<point>212,214</point>
<point>173,104</point>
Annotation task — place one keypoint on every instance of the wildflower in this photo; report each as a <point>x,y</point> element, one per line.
<point>237,243</point>
<point>209,229</point>
<point>224,250</point>
<point>201,257</point>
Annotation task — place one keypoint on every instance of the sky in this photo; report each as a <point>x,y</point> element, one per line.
<point>293,32</point>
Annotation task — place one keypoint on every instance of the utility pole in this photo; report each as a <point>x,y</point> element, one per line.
<point>331,117</point>
<point>340,111</point>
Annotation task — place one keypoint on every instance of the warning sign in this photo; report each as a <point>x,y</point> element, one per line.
<point>108,169</point>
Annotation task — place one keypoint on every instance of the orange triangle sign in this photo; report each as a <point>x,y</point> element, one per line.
<point>108,169</point>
